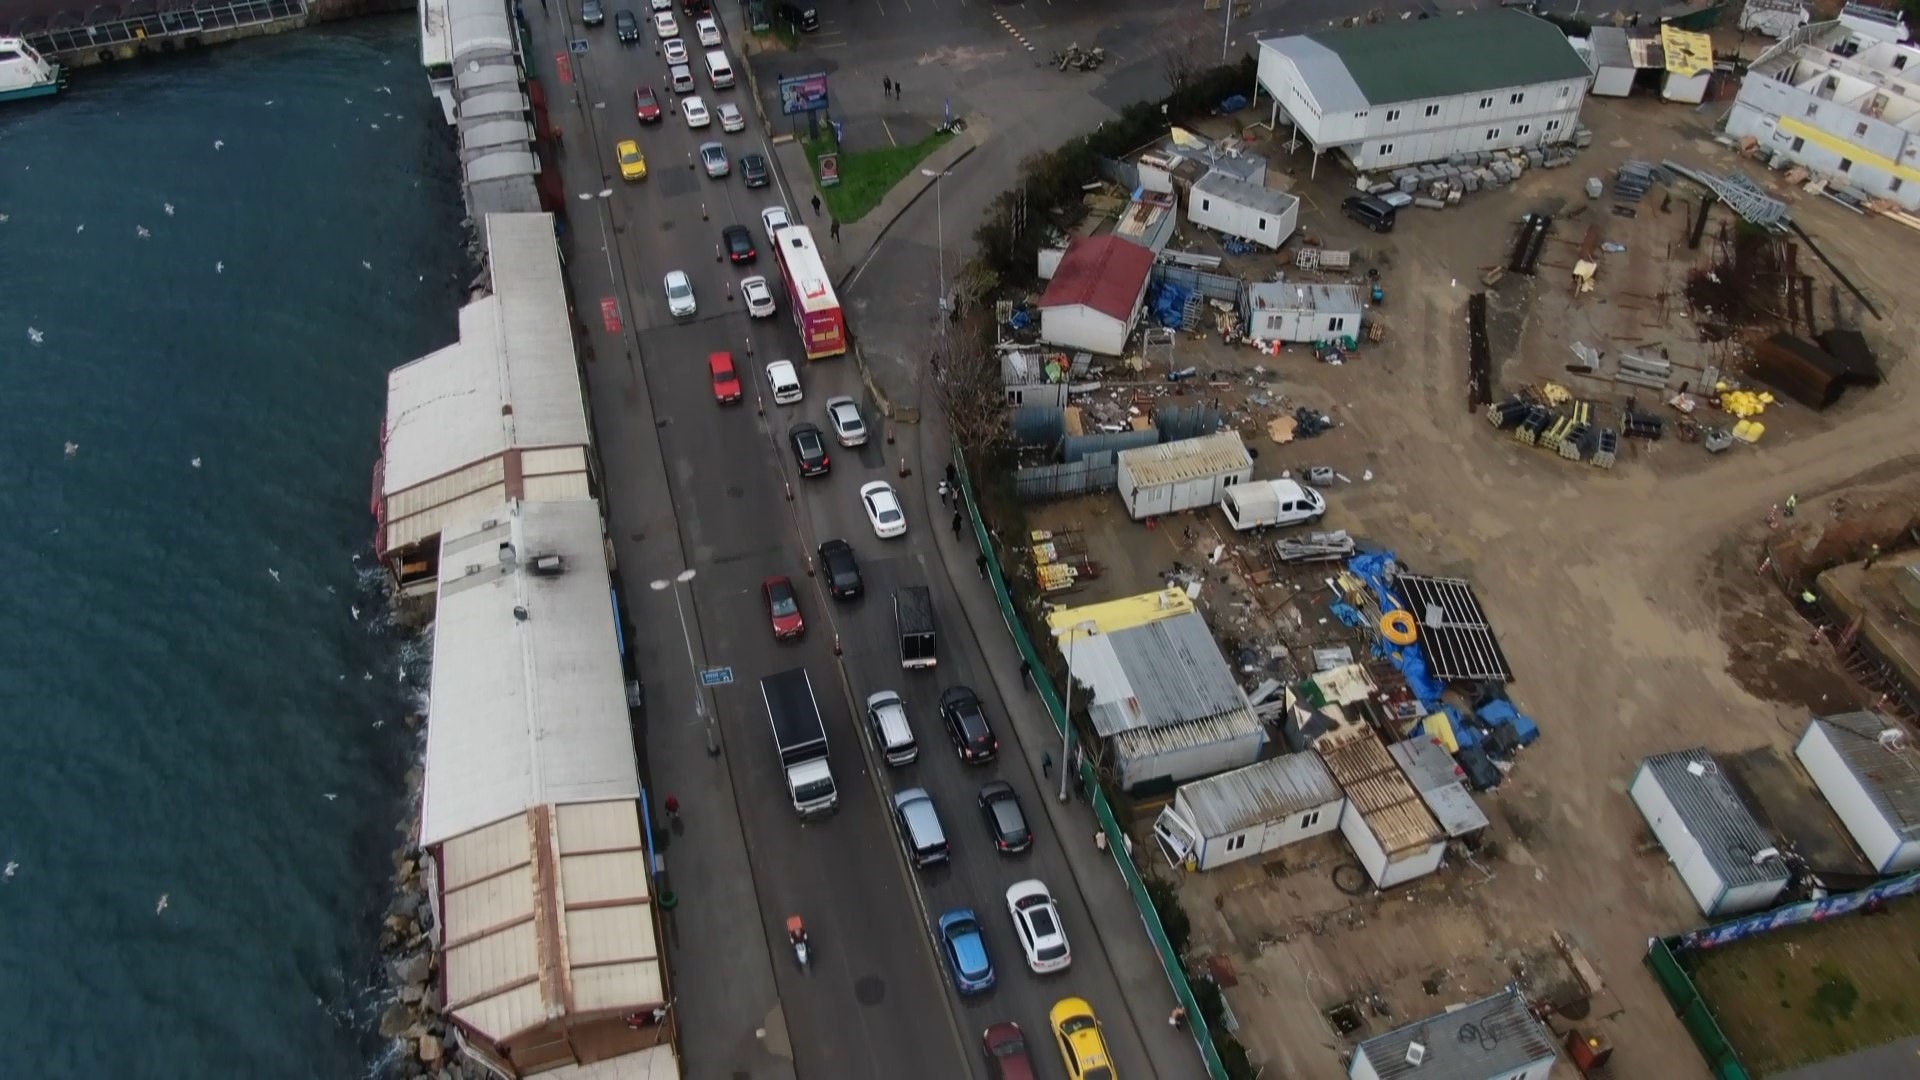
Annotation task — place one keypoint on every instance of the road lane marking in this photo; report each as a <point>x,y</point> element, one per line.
<point>889,130</point>
<point>1012,29</point>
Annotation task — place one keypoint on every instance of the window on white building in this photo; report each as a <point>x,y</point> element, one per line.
<point>1309,820</point>
<point>1893,185</point>
<point>1846,165</point>
<point>1486,103</point>
<point>1492,134</point>
<point>1336,322</point>
<point>1813,108</point>
<point>1392,115</point>
<point>1523,129</point>
<point>1237,842</point>
<point>1517,98</point>
<point>1386,148</point>
<point>1433,110</point>
<point>1859,129</point>
<point>1206,204</point>
<point>1553,125</point>
<point>1899,62</point>
<point>1565,90</point>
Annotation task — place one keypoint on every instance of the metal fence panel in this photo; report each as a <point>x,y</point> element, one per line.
<point>1098,472</point>
<point>1075,447</point>
<point>160,25</point>
<point>1212,286</point>
<point>1694,1013</point>
<point>1170,963</point>
<point>1124,173</point>
<point>1178,422</point>
<point>1038,425</point>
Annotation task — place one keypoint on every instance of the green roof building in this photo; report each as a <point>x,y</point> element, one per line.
<point>1417,90</point>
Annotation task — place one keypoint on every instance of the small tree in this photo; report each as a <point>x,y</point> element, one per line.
<point>967,379</point>
<point>1184,52</point>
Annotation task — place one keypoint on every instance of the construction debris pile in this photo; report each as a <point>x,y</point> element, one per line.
<point>1440,184</point>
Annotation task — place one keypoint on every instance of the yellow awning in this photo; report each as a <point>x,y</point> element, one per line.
<point>1688,53</point>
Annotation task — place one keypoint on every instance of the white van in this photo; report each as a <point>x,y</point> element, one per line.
<point>784,381</point>
<point>887,724</point>
<point>718,70</point>
<point>682,77</point>
<point>1261,503</point>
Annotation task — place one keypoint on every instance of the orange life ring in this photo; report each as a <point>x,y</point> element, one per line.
<point>1398,627</point>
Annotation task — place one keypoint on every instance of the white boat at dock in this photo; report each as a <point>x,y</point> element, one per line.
<point>24,73</point>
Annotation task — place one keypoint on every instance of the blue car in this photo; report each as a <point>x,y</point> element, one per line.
<point>966,951</point>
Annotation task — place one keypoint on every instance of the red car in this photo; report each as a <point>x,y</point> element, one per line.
<point>783,608</point>
<point>1006,1051</point>
<point>646,106</point>
<point>726,381</point>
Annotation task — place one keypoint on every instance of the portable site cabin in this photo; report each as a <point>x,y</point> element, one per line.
<point>1612,62</point>
<point>1251,212</point>
<point>1385,820</point>
<point>1870,776</point>
<point>1441,783</point>
<point>1713,840</point>
<point>1249,812</point>
<point>1183,475</point>
<point>1495,1038</point>
<point>1094,298</point>
<point>1303,312</point>
<point>1689,64</point>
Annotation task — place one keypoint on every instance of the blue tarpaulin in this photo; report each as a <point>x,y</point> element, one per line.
<point>1503,713</point>
<point>1169,300</point>
<point>1349,615</point>
<point>1372,568</point>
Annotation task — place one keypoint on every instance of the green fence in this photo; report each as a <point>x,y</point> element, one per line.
<point>1693,1012</point>
<point>1116,837</point>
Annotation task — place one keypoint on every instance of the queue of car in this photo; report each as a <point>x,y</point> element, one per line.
<point>1030,907</point>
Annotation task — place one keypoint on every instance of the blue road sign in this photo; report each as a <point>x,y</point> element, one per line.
<point>716,676</point>
<point>578,46</point>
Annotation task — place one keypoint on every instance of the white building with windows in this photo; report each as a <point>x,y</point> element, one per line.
<point>1841,101</point>
<point>1421,90</point>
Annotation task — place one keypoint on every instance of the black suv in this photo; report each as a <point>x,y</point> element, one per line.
<point>809,449</point>
<point>967,725</point>
<point>592,13</point>
<point>753,170</point>
<point>842,570</point>
<point>739,244</point>
<point>694,9</point>
<point>627,25</point>
<point>1005,820</point>
<point>804,20</point>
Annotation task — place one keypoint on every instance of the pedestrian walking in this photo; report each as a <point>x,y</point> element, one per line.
<point>1793,503</point>
<point>886,86</point>
<point>545,8</point>
<point>1178,1017</point>
<point>956,524</point>
<point>943,489</point>
<point>1046,763</point>
<point>1026,672</point>
<point>953,475</point>
<point>980,564</point>
<point>673,807</point>
<point>816,206</point>
<point>1873,555</point>
<point>896,91</point>
<point>833,229</point>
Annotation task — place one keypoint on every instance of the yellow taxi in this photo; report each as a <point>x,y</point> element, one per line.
<point>633,164</point>
<point>1082,1045</point>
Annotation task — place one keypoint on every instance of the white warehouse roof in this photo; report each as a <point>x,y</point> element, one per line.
<point>528,704</point>
<point>1268,791</point>
<point>1185,459</point>
<point>499,414</point>
<point>1157,675</point>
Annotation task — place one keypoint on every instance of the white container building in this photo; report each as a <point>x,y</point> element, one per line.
<point>1495,1038</point>
<point>1249,812</point>
<point>1612,62</point>
<point>1870,776</point>
<point>1385,820</point>
<point>1252,212</point>
<point>1184,475</point>
<point>1094,298</point>
<point>1727,861</point>
<point>1296,311</point>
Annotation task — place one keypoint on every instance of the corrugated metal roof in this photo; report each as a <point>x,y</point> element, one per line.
<point>510,382</point>
<point>1106,273</point>
<point>1272,790</point>
<point>1376,787</point>
<point>1485,1039</point>
<point>1710,808</point>
<point>1323,74</point>
<point>1306,296</point>
<point>1186,459</point>
<point>1465,53</point>
<point>1891,777</point>
<point>1152,676</point>
<point>1254,196</point>
<point>549,911</point>
<point>1439,780</point>
<point>528,703</point>
<point>1227,727</point>
<point>1610,48</point>
<point>478,27</point>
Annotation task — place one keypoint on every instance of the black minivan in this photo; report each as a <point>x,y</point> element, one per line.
<point>1375,214</point>
<point>804,20</point>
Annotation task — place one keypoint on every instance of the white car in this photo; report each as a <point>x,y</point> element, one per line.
<point>675,50</point>
<point>695,111</point>
<point>1036,922</point>
<point>730,118</point>
<point>759,296</point>
<point>680,294</point>
<point>774,218</point>
<point>664,25</point>
<point>785,382</point>
<point>848,427</point>
<point>883,510</point>
<point>709,31</point>
<point>661,5</point>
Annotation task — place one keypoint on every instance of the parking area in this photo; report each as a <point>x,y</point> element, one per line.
<point>1626,598</point>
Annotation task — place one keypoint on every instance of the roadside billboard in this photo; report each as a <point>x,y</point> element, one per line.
<point>803,94</point>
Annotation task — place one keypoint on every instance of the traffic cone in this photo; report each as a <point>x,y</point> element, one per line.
<point>836,644</point>
<point>905,469</point>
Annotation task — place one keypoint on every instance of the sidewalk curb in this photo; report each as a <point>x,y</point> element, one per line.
<point>867,255</point>
<point>1056,810</point>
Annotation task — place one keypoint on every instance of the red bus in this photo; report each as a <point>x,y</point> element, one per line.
<point>816,310</point>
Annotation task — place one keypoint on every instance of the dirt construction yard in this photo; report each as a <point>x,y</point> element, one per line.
<point>1626,599</point>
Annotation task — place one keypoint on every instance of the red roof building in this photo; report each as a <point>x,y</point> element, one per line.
<point>1094,298</point>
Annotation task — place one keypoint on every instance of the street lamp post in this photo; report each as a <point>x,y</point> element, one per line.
<point>1072,634</point>
<point>699,698</point>
<point>1226,36</point>
<point>940,236</point>
<point>606,240</point>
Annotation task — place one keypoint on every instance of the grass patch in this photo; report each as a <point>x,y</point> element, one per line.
<point>781,36</point>
<point>866,177</point>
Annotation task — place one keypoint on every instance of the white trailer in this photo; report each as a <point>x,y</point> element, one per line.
<point>1183,475</point>
<point>1303,312</point>
<point>1249,812</point>
<point>1719,850</point>
<point>1251,212</point>
<point>1861,762</point>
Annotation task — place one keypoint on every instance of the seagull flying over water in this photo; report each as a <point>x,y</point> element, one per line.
<point>220,268</point>
<point>80,228</point>
<point>375,127</point>
<point>275,574</point>
<point>355,608</point>
<point>36,336</point>
<point>4,218</point>
<point>141,231</point>
<point>386,90</point>
<point>366,264</point>
<point>330,796</point>
<point>218,143</point>
<point>73,448</point>
<point>168,207</point>
<point>269,101</point>
<point>162,905</point>
<point>349,101</point>
<point>12,868</point>
<point>195,463</point>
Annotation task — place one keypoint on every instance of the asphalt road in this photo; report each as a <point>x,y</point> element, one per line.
<point>877,1002</point>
